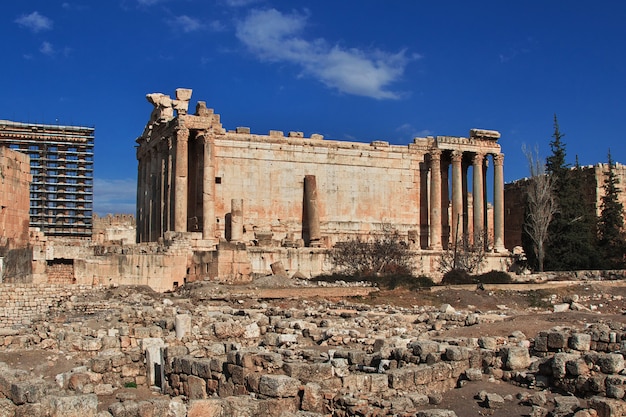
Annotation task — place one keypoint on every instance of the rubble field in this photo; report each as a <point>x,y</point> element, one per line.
<point>285,348</point>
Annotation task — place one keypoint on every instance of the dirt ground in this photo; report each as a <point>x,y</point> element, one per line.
<point>529,310</point>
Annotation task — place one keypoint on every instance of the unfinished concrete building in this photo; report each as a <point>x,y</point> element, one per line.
<point>61,161</point>
<point>292,191</point>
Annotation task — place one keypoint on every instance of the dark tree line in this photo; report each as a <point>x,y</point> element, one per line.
<point>576,238</point>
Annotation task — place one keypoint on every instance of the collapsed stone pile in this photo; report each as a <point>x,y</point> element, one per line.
<point>318,359</point>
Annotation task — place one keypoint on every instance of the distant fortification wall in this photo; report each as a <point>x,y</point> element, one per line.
<point>591,193</point>
<point>114,227</point>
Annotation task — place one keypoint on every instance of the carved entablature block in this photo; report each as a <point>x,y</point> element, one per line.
<point>163,110</point>
<point>484,134</point>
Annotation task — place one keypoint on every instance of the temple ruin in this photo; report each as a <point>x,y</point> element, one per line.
<point>278,190</point>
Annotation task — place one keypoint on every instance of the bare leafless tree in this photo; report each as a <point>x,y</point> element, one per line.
<point>466,254</point>
<point>383,254</point>
<point>542,204</point>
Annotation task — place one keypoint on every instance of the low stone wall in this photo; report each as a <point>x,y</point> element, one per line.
<point>23,303</point>
<point>317,381</point>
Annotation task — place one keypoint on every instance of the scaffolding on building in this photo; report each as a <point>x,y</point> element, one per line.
<point>61,164</point>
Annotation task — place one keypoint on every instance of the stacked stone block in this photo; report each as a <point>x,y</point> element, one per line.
<point>24,303</point>
<point>320,359</point>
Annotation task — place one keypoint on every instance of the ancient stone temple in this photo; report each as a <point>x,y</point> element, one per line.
<point>288,190</point>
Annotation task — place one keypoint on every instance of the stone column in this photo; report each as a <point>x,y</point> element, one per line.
<point>457,197</point>
<point>445,203</point>
<point>435,200</point>
<point>313,219</point>
<point>139,211</point>
<point>478,197</point>
<point>168,204</point>
<point>180,181</point>
<point>153,349</point>
<point>145,206</point>
<point>236,220</point>
<point>161,160</point>
<point>423,202</point>
<point>152,197</point>
<point>467,224</point>
<point>182,325</point>
<point>498,203</point>
<point>208,189</point>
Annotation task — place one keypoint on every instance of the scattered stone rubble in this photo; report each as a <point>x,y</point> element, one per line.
<point>320,359</point>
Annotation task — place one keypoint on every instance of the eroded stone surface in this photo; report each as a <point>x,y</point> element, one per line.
<point>265,359</point>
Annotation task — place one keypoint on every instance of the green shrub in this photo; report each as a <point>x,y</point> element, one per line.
<point>338,277</point>
<point>494,277</point>
<point>457,277</point>
<point>130,385</point>
<point>408,281</point>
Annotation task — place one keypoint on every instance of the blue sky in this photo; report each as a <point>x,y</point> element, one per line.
<point>357,70</point>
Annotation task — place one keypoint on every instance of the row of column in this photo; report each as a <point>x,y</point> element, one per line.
<point>459,185</point>
<point>153,191</point>
<point>162,187</point>
<point>162,193</point>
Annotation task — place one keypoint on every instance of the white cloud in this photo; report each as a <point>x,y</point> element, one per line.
<point>410,130</point>
<point>73,6</point>
<point>47,48</point>
<point>149,2</point>
<point>239,3</point>
<point>186,24</point>
<point>34,21</point>
<point>217,26</point>
<point>114,196</point>
<point>276,37</point>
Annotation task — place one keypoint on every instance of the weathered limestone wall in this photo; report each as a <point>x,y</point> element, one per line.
<point>24,303</point>
<point>15,179</point>
<point>360,187</point>
<point>114,227</point>
<point>599,172</point>
<point>18,265</point>
<point>307,262</point>
<point>162,272</point>
<point>66,261</point>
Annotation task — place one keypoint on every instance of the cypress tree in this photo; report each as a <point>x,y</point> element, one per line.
<point>612,242</point>
<point>555,163</point>
<point>572,244</point>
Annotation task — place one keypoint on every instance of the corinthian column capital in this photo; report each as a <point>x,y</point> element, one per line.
<point>478,158</point>
<point>457,156</point>
<point>182,133</point>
